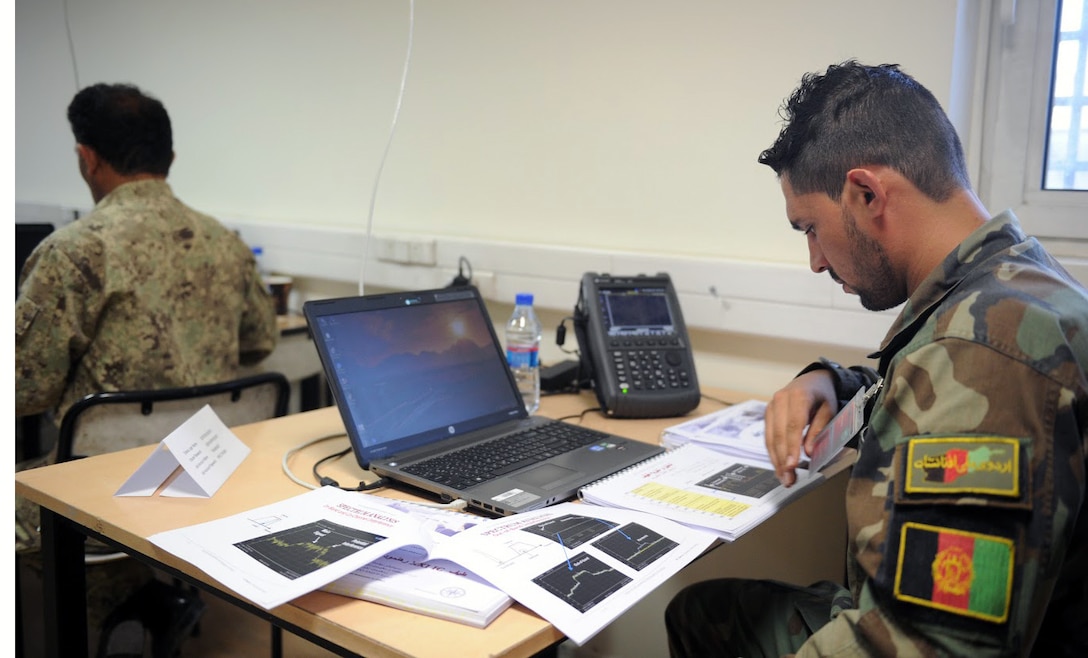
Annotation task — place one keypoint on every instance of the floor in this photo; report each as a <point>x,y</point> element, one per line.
<point>225,630</point>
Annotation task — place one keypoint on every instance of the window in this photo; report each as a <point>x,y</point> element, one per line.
<point>1067,132</point>
<point>1034,150</point>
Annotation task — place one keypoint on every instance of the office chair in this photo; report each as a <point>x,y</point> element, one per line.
<point>111,421</point>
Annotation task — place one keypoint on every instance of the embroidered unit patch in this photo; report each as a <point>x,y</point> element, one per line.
<point>964,573</point>
<point>961,464</point>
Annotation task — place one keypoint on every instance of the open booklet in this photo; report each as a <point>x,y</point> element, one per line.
<point>406,579</point>
<point>702,488</point>
<point>736,430</point>
<point>577,566</point>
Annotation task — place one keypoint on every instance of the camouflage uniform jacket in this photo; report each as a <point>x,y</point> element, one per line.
<point>965,506</point>
<point>143,293</point>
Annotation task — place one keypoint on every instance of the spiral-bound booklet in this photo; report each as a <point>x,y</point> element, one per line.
<point>725,494</point>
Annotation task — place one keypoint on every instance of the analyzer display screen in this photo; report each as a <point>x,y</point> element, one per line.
<point>637,311</point>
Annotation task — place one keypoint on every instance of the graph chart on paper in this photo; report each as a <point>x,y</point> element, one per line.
<point>571,530</point>
<point>582,581</point>
<point>567,532</point>
<point>302,550</point>
<point>635,546</point>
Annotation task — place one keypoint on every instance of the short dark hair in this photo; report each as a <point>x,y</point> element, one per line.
<point>127,128</point>
<point>855,115</point>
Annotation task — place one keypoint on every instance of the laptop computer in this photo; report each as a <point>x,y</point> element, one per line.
<point>420,377</point>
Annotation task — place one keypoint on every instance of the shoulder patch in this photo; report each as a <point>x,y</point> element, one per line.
<point>964,573</point>
<point>963,464</point>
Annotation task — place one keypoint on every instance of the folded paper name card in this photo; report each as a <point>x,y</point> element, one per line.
<point>205,450</point>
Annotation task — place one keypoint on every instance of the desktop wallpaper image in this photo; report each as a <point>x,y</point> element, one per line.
<point>407,370</point>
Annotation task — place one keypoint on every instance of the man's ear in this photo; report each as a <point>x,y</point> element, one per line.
<point>864,193</point>
<point>88,157</point>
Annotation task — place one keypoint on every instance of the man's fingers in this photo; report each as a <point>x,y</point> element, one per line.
<point>820,420</point>
<point>786,418</point>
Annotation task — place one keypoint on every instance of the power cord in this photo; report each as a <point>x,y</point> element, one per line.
<point>567,376</point>
<point>325,481</point>
<point>724,403</point>
<point>561,335</point>
<point>580,416</point>
<point>461,279</point>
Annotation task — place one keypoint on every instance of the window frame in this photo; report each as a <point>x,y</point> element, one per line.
<point>1019,67</point>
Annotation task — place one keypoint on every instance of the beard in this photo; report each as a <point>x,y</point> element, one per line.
<point>880,290</point>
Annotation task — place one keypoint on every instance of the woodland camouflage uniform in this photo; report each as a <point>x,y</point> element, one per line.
<point>965,507</point>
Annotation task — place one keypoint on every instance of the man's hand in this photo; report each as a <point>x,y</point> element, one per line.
<point>809,400</point>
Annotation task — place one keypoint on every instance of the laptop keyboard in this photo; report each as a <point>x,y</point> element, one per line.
<point>479,463</point>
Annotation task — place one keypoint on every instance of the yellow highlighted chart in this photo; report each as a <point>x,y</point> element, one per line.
<point>691,500</point>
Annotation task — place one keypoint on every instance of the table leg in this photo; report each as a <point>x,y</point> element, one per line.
<point>65,587</point>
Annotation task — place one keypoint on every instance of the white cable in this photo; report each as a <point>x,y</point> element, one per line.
<point>388,143</point>
<point>458,503</point>
<point>71,45</point>
<point>302,446</point>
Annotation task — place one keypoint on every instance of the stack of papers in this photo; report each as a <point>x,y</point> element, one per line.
<point>737,430</point>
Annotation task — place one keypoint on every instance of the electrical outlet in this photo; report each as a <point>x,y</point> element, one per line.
<point>421,252</point>
<point>391,250</point>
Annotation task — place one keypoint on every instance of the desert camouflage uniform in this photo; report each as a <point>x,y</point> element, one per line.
<point>964,509</point>
<point>143,293</point>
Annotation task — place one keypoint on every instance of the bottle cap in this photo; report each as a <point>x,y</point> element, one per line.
<point>524,299</point>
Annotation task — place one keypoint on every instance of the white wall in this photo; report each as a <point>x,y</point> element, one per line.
<point>587,134</point>
<point>632,124</point>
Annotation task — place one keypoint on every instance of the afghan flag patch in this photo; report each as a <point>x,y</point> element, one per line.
<point>963,464</point>
<point>964,573</point>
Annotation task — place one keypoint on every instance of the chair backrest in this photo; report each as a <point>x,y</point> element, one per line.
<point>111,421</point>
<point>27,236</point>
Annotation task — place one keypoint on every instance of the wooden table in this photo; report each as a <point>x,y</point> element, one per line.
<point>77,500</point>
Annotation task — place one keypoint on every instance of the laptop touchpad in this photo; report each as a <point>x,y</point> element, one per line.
<point>545,476</point>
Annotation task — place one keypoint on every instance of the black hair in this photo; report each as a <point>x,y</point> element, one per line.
<point>127,128</point>
<point>855,115</point>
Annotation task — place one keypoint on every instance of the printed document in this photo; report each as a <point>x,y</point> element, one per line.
<point>702,488</point>
<point>736,430</point>
<point>577,566</point>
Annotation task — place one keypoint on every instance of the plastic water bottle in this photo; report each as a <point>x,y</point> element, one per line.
<point>523,334</point>
<point>262,271</point>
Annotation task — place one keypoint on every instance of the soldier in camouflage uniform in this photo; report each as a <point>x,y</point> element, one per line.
<point>965,507</point>
<point>144,292</point>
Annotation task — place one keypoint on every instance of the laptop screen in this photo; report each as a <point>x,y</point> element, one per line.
<point>413,368</point>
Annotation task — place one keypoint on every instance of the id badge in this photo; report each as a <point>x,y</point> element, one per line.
<point>843,427</point>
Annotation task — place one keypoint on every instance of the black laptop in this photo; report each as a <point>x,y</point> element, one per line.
<point>428,400</point>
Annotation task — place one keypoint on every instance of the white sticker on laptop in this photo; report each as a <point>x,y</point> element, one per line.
<point>515,497</point>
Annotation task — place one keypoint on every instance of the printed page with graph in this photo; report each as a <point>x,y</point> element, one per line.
<point>725,494</point>
<point>281,551</point>
<point>577,566</point>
